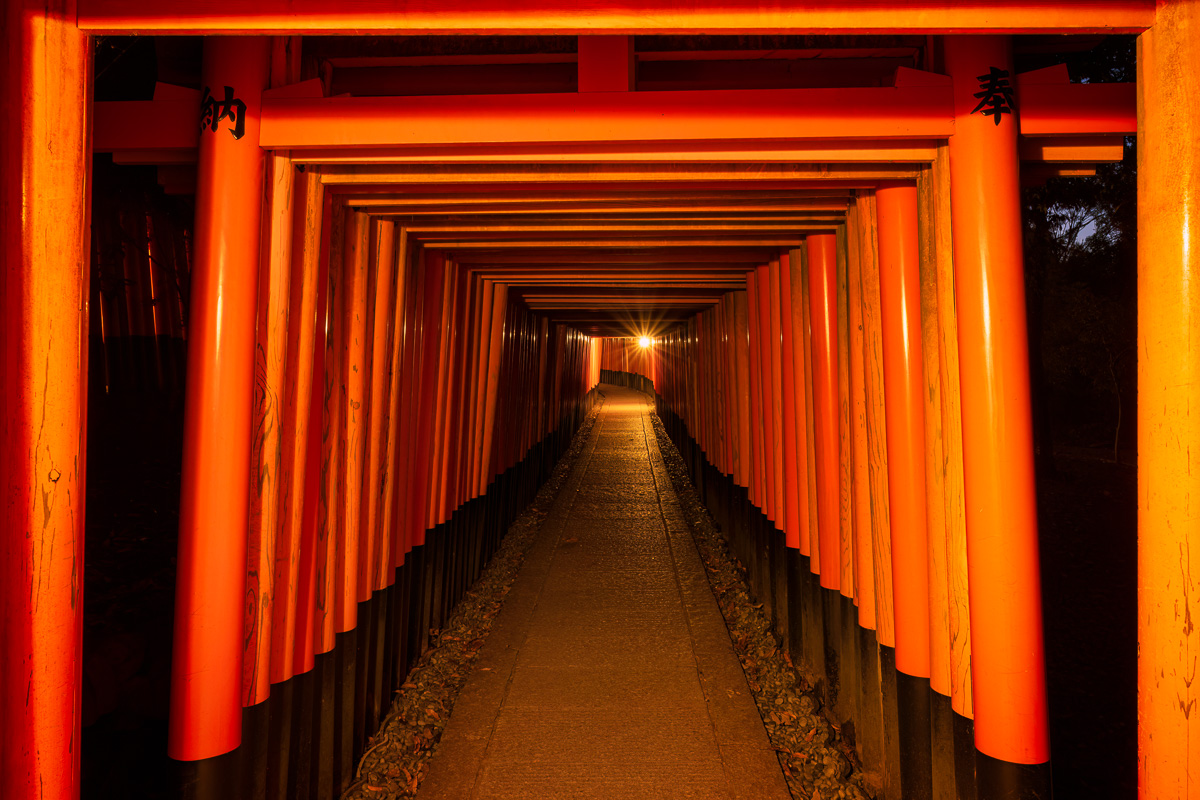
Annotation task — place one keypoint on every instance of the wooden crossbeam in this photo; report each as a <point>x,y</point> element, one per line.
<point>904,150</point>
<point>662,177</point>
<point>414,17</point>
<point>899,112</point>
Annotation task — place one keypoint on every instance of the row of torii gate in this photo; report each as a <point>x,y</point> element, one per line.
<point>900,203</point>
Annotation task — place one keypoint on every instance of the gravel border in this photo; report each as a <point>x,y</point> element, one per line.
<point>397,756</point>
<point>817,763</point>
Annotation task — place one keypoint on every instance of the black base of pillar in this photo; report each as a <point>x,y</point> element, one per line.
<point>942,746</point>
<point>297,776</point>
<point>869,739</point>
<point>892,787</point>
<point>796,566</point>
<point>831,625</point>
<point>252,755</point>
<point>281,708</point>
<point>779,583</point>
<point>1005,780</point>
<point>813,663</point>
<point>916,771</point>
<point>213,778</point>
<point>964,756</point>
<point>346,670</point>
<point>848,707</point>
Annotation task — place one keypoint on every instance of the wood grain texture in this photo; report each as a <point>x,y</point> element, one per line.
<point>393,421</point>
<point>266,421</point>
<point>328,509</point>
<point>775,352</point>
<point>740,352</point>
<point>814,550</point>
<point>375,483</point>
<point>861,483</point>
<point>848,579</point>
<point>355,311</point>
<point>935,508</point>
<point>881,537</point>
<point>302,323</point>
<point>495,339</point>
<point>955,520</point>
<point>758,489</point>
<point>789,334</point>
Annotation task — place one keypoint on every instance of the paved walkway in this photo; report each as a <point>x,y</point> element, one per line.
<point>609,672</point>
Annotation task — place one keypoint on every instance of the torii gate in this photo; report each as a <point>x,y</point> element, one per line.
<point>44,227</point>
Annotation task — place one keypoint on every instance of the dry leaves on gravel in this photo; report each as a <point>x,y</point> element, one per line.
<point>816,763</point>
<point>397,758</point>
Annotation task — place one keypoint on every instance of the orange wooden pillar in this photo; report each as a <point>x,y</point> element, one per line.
<point>1002,548</point>
<point>790,340</point>
<point>271,356</point>
<point>45,176</point>
<point>864,223</point>
<point>1168,373</point>
<point>375,566</point>
<point>741,403</point>
<point>822,276</point>
<point>869,734</point>
<point>356,279</point>
<point>214,495</point>
<point>904,404</point>
<point>949,614</point>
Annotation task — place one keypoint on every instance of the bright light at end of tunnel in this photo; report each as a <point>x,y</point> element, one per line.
<point>644,341</point>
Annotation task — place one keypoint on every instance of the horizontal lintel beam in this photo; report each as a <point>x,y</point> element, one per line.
<point>574,17</point>
<point>893,112</point>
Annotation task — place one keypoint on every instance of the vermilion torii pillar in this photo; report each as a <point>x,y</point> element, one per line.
<point>1168,432</point>
<point>206,708</point>
<point>904,387</point>
<point>45,166</point>
<point>822,269</point>
<point>1001,505</point>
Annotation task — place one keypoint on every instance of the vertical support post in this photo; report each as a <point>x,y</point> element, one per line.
<point>801,372</point>
<point>847,566</point>
<point>758,489</point>
<point>869,732</point>
<point>1002,549</point>
<point>288,628</point>
<point>953,748</point>
<point>206,667</point>
<point>1168,375</point>
<point>864,570</point>
<point>811,540</point>
<point>492,386</point>
<point>904,403</point>
<point>270,389</point>
<point>333,336</point>
<point>822,278</point>
<point>769,276</point>
<point>846,641</point>
<point>740,338</point>
<point>866,217</point>
<point>792,460</point>
<point>356,310</point>
<point>371,575</point>
<point>45,177</point>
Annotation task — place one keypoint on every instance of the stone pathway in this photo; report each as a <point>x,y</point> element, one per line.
<point>609,672</point>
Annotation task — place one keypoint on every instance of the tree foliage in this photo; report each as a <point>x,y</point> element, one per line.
<point>1081,269</point>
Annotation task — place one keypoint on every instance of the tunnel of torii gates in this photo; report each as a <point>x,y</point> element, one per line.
<point>401,307</point>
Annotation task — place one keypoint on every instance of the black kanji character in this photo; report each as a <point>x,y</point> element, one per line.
<point>996,97</point>
<point>213,111</point>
